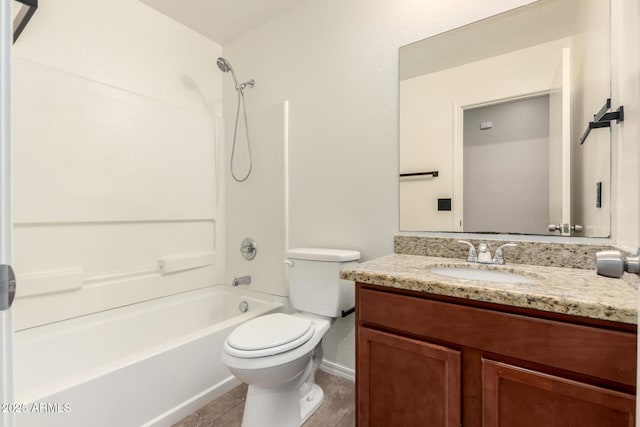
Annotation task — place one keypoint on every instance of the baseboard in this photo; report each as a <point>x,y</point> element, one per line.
<point>339,370</point>
<point>188,407</point>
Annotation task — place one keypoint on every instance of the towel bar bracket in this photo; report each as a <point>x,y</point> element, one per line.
<point>603,119</point>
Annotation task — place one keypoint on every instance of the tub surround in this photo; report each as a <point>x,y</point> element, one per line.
<point>571,291</point>
<point>552,254</point>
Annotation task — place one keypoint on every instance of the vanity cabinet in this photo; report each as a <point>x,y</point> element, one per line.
<point>427,360</point>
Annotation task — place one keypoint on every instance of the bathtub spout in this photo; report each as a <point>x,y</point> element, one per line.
<point>244,280</point>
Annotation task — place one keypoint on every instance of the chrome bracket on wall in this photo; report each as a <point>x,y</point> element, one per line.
<point>7,286</point>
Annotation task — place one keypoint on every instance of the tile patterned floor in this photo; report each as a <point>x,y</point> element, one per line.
<point>337,409</point>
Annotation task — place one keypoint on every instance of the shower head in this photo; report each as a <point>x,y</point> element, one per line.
<point>223,64</point>
<point>225,67</point>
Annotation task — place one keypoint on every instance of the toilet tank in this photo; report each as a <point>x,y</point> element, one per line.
<point>314,280</point>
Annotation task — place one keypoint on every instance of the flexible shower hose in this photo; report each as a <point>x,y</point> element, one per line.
<point>235,134</point>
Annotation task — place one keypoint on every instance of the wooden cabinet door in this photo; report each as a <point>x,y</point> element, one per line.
<point>406,382</point>
<point>517,397</point>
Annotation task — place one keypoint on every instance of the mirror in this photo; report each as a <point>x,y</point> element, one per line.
<point>491,116</point>
<point>21,13</point>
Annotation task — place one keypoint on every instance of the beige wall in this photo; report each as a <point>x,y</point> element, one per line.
<point>114,158</point>
<point>625,90</point>
<point>591,162</point>
<point>336,63</point>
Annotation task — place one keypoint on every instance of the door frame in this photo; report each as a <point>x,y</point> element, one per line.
<point>6,324</point>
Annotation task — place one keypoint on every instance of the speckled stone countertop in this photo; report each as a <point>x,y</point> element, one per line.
<point>566,255</point>
<point>570,291</point>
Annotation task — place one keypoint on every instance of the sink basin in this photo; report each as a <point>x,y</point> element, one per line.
<point>486,275</point>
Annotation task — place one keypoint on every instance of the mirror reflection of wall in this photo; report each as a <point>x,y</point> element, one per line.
<point>15,9</point>
<point>506,166</point>
<point>552,50</point>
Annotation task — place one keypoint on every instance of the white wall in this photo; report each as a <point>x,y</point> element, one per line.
<point>114,156</point>
<point>336,63</point>
<point>625,90</point>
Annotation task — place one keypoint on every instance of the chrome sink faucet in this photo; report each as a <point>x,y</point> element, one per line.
<point>483,254</point>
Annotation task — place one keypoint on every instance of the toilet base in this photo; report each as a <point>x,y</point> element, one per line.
<point>281,408</point>
<point>311,402</point>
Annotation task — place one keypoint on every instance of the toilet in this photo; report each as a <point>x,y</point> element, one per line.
<point>278,354</point>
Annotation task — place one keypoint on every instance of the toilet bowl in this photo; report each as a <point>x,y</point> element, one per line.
<point>276,396</point>
<point>278,354</point>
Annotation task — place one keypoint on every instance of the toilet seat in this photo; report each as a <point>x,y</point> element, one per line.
<point>269,335</point>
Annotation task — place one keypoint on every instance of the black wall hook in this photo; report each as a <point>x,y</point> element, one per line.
<point>603,118</point>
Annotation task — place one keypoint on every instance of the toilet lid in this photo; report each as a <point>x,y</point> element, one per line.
<point>268,335</point>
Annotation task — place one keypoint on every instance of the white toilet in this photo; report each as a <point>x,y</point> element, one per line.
<point>278,354</point>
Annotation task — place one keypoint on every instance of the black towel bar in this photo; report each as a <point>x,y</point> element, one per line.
<point>432,173</point>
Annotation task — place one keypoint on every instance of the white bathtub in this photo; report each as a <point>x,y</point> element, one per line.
<point>145,364</point>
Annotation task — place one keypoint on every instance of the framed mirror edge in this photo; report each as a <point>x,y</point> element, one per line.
<point>519,236</point>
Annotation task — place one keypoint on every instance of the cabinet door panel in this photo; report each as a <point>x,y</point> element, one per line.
<point>517,397</point>
<point>405,382</point>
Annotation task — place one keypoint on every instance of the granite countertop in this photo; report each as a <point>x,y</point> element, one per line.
<point>570,291</point>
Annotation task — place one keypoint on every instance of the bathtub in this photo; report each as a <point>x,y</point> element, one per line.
<point>147,364</point>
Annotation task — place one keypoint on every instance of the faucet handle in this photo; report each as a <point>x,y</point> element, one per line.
<point>472,256</point>
<point>614,263</point>
<point>498,257</point>
<point>484,253</point>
